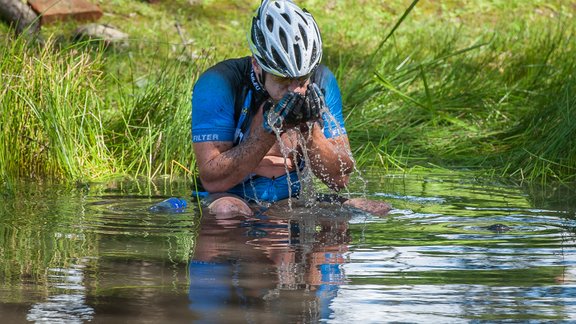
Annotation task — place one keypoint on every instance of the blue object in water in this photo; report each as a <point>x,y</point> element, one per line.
<point>170,205</point>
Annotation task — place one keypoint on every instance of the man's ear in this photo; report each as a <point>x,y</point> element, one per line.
<point>260,76</point>
<point>256,66</point>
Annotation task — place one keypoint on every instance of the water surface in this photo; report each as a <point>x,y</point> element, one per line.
<point>96,254</point>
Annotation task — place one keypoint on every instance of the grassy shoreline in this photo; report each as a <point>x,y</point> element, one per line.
<point>483,85</point>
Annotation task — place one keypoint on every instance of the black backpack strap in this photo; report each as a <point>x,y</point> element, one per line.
<point>243,116</point>
<point>238,105</point>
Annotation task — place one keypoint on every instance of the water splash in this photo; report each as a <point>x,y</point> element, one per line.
<point>299,153</point>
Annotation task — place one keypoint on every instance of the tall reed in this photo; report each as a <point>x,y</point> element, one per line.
<point>51,113</point>
<point>67,115</point>
<point>151,133</point>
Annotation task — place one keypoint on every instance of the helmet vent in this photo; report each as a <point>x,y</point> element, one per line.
<point>283,39</point>
<point>269,23</point>
<point>298,56</point>
<point>287,18</point>
<point>278,59</point>
<point>258,36</point>
<point>314,53</point>
<point>304,36</point>
<point>302,17</point>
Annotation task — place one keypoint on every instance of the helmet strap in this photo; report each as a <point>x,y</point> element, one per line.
<point>262,78</point>
<point>258,82</point>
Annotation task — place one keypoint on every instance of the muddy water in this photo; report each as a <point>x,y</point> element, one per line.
<point>453,250</point>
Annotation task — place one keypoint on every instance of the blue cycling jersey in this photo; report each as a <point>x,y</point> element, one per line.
<point>258,189</point>
<point>225,89</point>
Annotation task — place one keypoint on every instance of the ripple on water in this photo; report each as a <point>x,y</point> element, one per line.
<point>130,216</point>
<point>452,303</point>
<point>67,304</point>
<point>432,259</point>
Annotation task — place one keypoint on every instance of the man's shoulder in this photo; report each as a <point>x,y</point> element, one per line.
<point>321,69</point>
<point>322,73</point>
<point>229,76</point>
<point>236,68</point>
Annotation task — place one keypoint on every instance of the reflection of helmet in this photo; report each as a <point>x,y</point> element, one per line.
<point>285,39</point>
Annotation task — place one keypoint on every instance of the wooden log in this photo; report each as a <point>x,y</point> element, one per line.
<point>58,10</point>
<point>21,17</point>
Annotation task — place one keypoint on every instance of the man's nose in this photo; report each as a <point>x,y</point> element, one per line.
<point>297,86</point>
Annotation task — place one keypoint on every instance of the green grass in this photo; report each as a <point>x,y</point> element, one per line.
<point>51,113</point>
<point>476,84</point>
<point>497,100</point>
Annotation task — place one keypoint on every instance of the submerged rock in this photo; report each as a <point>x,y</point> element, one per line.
<point>498,228</point>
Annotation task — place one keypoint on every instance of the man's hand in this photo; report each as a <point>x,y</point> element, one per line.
<point>294,109</point>
<point>313,103</point>
<point>285,114</point>
<point>312,108</point>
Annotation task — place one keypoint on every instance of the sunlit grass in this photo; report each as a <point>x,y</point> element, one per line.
<point>51,113</point>
<point>151,133</point>
<point>498,101</point>
<point>73,114</point>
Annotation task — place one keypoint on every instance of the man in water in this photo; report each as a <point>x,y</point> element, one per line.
<point>258,121</point>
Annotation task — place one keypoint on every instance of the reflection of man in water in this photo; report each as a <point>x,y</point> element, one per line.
<point>255,120</point>
<point>270,269</point>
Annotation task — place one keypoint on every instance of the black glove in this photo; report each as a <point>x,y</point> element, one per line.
<point>310,109</point>
<point>286,112</point>
<point>313,104</point>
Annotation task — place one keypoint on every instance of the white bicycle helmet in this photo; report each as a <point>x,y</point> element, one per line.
<point>285,39</point>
